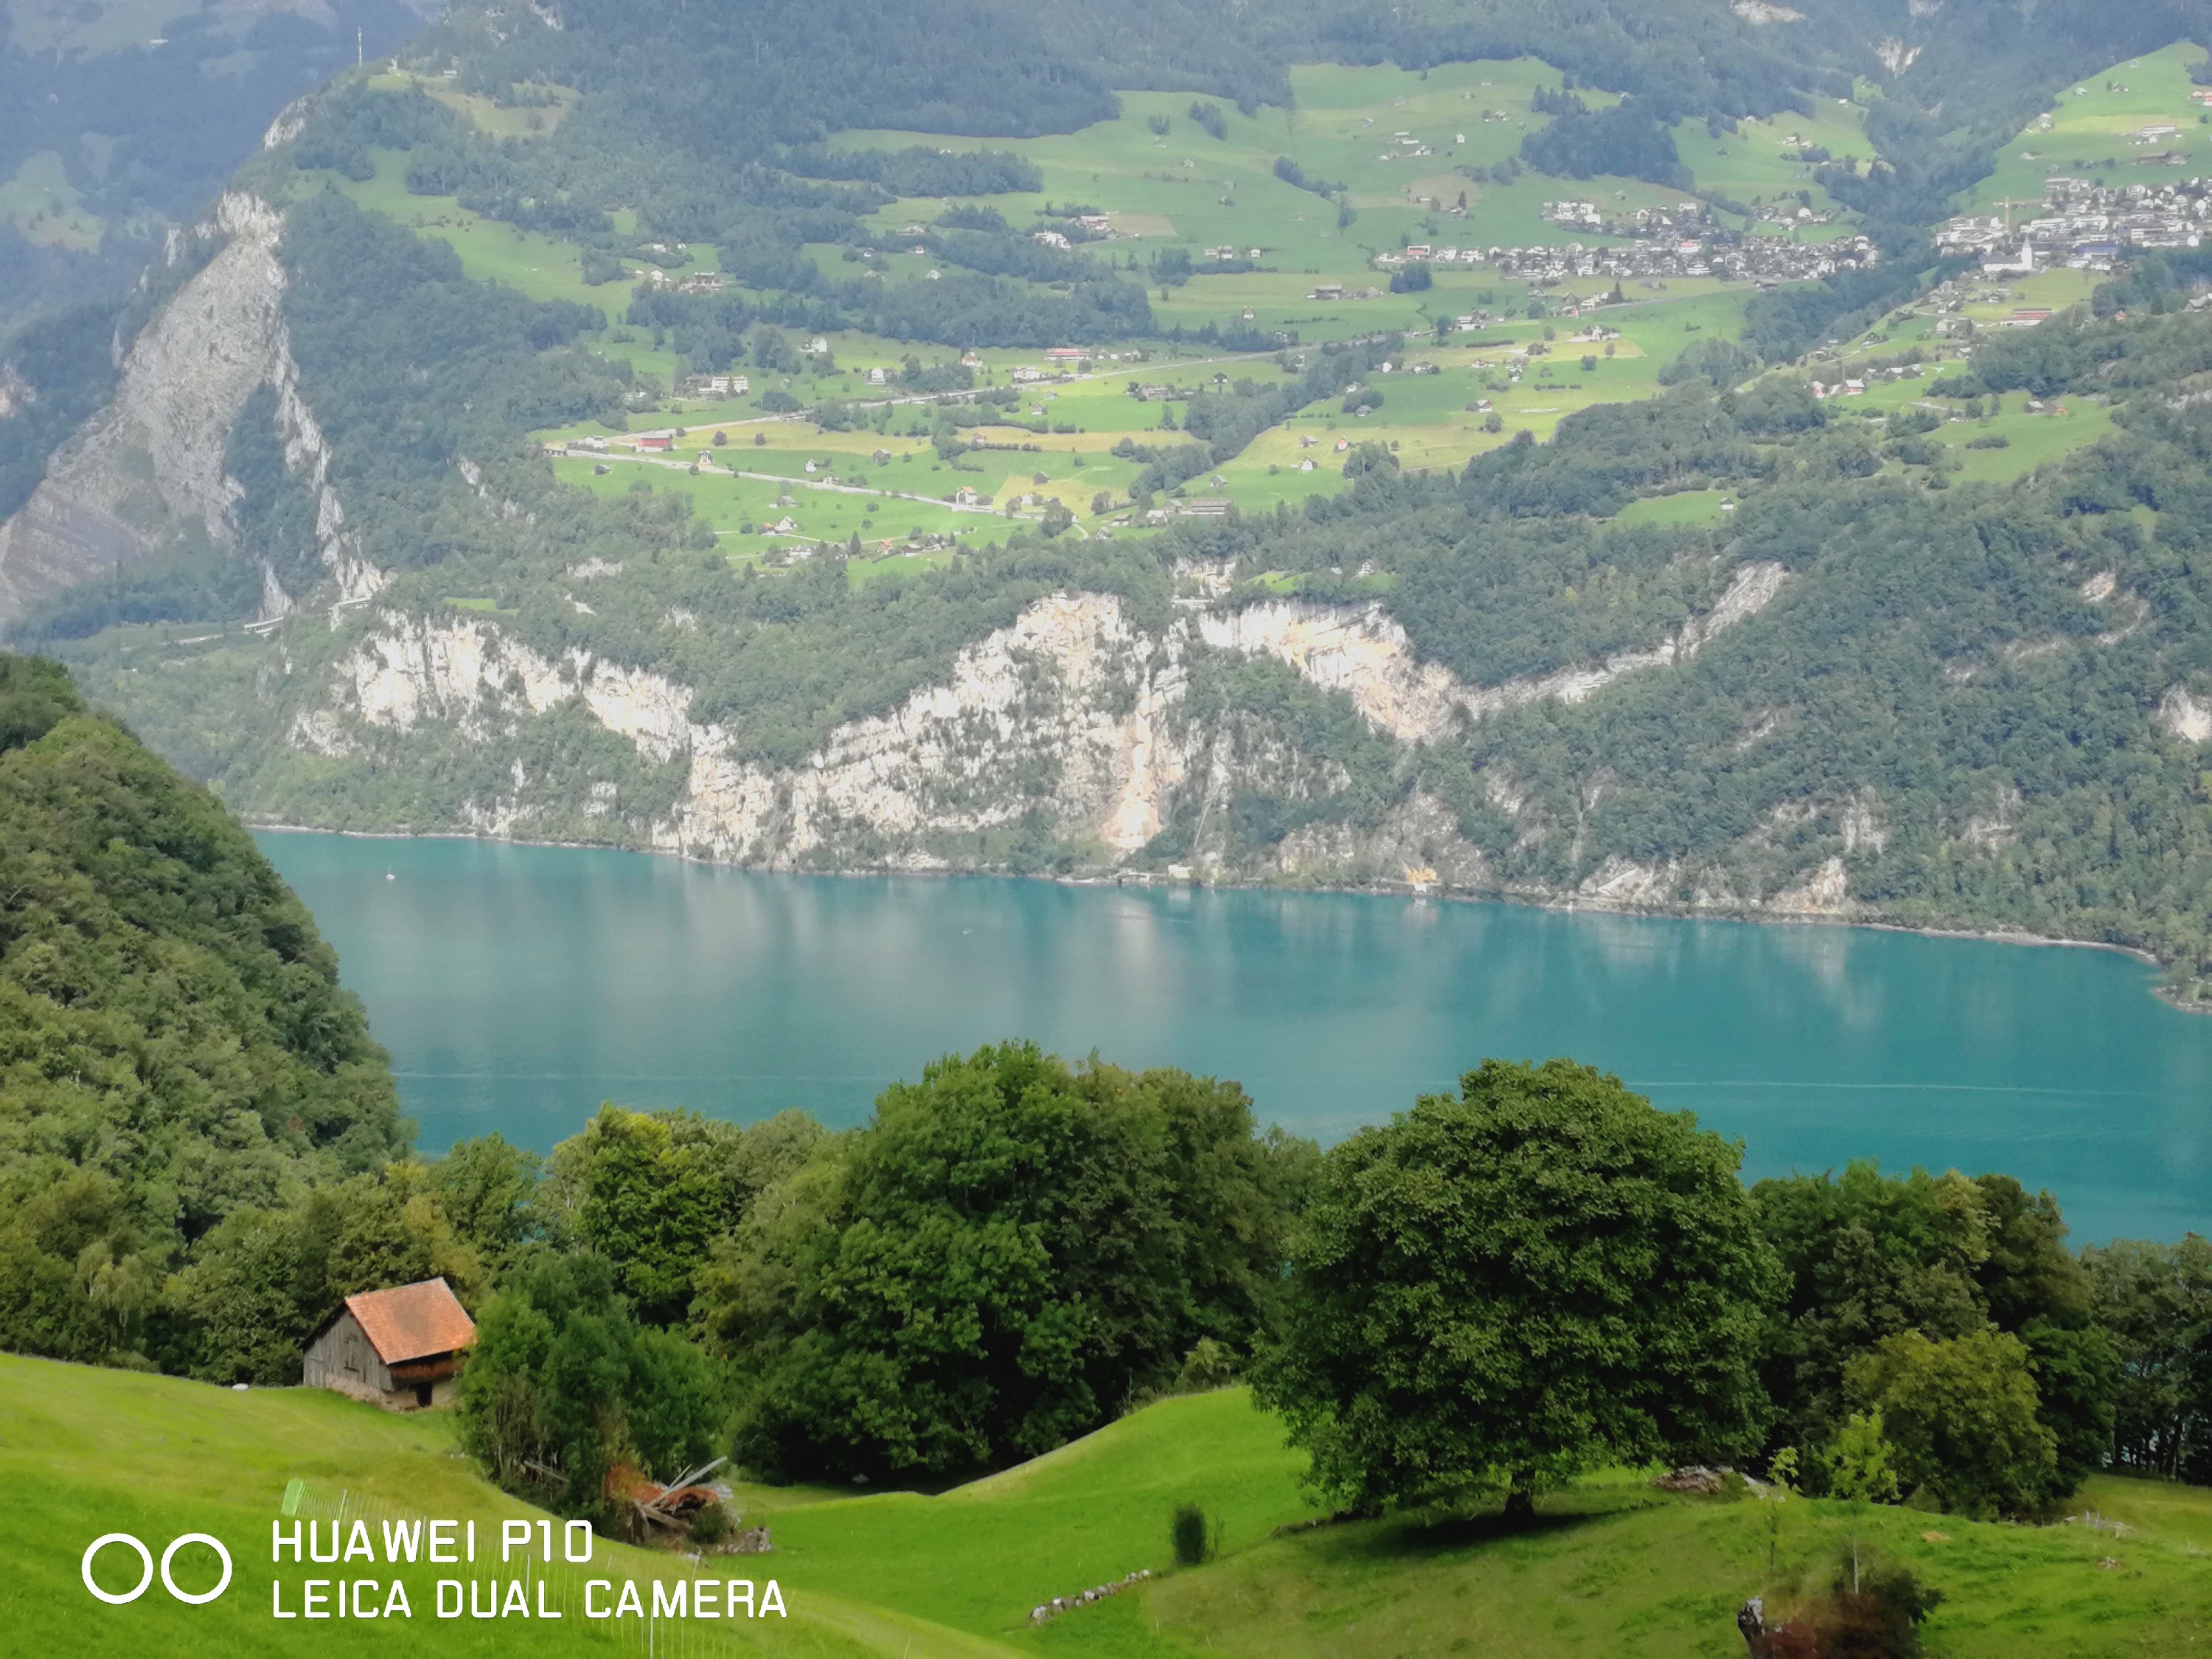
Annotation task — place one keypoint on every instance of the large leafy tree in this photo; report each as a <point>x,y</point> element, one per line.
<point>1540,1274</point>
<point>2153,1302</point>
<point>651,1192</point>
<point>1008,1252</point>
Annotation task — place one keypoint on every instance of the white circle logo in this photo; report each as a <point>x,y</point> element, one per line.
<point>169,1554</point>
<point>146,1564</point>
<point>145,1556</point>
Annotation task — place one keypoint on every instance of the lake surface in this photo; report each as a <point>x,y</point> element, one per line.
<point>519,986</point>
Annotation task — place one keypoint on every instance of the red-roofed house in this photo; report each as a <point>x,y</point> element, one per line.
<point>399,1348</point>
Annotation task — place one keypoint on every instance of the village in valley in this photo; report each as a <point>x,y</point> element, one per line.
<point>1519,298</point>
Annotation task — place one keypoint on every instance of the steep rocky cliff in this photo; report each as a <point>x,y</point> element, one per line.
<point>1074,727</point>
<point>149,469</point>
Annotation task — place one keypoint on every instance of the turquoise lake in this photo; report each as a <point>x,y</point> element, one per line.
<point>519,986</point>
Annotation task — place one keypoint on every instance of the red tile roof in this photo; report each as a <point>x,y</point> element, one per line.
<point>412,1322</point>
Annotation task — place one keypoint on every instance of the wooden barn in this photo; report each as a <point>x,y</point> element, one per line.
<point>398,1348</point>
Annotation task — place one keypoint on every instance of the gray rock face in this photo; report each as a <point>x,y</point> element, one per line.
<point>151,462</point>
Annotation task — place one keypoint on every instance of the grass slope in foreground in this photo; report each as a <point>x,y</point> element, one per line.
<point>1612,1567</point>
<point>86,1451</point>
<point>1613,1564</point>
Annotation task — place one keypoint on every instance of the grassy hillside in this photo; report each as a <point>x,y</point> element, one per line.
<point>123,118</point>
<point>1613,1566</point>
<point>84,1452</point>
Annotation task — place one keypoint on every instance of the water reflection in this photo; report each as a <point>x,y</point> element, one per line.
<point>518,986</point>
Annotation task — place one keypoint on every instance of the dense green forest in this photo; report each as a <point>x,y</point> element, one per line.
<point>175,1051</point>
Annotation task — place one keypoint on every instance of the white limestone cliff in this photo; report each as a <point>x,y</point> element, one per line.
<point>1072,712</point>
<point>1366,654</point>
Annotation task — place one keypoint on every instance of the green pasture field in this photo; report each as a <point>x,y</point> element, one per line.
<point>1683,507</point>
<point>1613,1565</point>
<point>1431,419</point>
<point>488,116</point>
<point>532,263</point>
<point>85,1452</point>
<point>1361,128</point>
<point>1755,163</point>
<point>45,208</point>
<point>1990,303</point>
<point>2032,440</point>
<point>2091,128</point>
<point>1188,188</point>
<point>725,504</point>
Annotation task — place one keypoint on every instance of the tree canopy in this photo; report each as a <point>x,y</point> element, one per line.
<point>998,1262</point>
<point>1516,1283</point>
<point>174,1044</point>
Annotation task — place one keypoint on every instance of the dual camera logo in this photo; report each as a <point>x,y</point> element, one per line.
<point>146,1561</point>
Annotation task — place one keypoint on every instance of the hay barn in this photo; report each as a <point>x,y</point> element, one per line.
<point>399,1348</point>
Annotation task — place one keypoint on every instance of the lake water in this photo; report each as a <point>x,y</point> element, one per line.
<point>519,986</point>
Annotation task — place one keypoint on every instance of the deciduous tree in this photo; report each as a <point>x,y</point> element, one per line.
<point>1515,1284</point>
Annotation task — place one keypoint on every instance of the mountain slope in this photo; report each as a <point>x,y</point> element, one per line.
<point>116,121</point>
<point>1317,552</point>
<point>176,1046</point>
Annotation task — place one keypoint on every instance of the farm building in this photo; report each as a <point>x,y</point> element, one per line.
<point>398,1348</point>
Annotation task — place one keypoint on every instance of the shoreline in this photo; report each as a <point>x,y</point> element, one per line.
<point>1567,906</point>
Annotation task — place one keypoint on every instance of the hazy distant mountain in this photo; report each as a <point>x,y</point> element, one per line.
<point>117,120</point>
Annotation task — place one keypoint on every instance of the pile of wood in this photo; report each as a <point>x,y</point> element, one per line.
<point>658,1510</point>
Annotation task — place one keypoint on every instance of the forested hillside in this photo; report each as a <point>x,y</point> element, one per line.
<point>175,1050</point>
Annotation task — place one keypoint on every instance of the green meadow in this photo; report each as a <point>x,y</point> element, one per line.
<point>86,1452</point>
<point>45,208</point>
<point>1757,162</point>
<point>2094,128</point>
<point>1611,1566</point>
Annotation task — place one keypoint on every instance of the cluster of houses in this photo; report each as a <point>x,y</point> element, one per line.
<point>1685,243</point>
<point>1405,146</point>
<point>699,281</point>
<point>1644,221</point>
<point>1846,388</point>
<point>2083,226</point>
<point>1097,224</point>
<point>1723,254</point>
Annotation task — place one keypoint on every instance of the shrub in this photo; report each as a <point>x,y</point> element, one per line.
<point>1189,1533</point>
<point>1962,1417</point>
